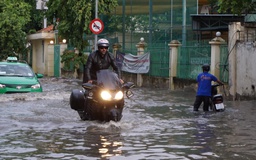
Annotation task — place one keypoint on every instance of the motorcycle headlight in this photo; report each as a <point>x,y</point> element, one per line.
<point>105,95</point>
<point>36,86</point>
<point>119,95</point>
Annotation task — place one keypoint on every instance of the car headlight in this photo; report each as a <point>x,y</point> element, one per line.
<point>2,86</point>
<point>106,95</point>
<point>36,86</point>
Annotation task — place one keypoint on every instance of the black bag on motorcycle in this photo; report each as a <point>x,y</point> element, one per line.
<point>77,100</point>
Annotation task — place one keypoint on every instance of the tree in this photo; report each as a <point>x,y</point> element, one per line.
<point>36,18</point>
<point>14,16</point>
<point>75,16</point>
<point>236,6</point>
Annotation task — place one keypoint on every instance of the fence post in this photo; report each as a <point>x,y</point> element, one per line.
<point>140,50</point>
<point>50,60</point>
<point>215,54</point>
<point>116,47</point>
<point>173,61</point>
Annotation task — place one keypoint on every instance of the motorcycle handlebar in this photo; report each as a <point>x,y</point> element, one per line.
<point>216,85</point>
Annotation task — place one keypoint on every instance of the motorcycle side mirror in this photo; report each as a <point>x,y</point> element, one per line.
<point>88,86</point>
<point>129,94</point>
<point>128,85</point>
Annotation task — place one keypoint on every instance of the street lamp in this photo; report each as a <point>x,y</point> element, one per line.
<point>218,34</point>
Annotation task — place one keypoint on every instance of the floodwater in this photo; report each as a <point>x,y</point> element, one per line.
<point>156,124</point>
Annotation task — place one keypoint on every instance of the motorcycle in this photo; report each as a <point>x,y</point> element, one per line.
<point>102,100</point>
<point>216,100</point>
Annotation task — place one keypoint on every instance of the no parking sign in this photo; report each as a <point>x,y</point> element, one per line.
<point>96,26</point>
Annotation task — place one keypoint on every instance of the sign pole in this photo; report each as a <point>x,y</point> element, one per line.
<point>96,16</point>
<point>96,26</point>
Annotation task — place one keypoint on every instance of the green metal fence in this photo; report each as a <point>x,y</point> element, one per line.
<point>159,62</point>
<point>224,74</point>
<point>190,60</point>
<point>159,27</point>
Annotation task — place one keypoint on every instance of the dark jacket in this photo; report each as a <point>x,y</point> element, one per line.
<point>96,62</point>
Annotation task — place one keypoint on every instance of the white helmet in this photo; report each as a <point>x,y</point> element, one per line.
<point>103,42</point>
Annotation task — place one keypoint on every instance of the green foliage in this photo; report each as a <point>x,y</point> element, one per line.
<point>14,15</point>
<point>75,17</point>
<point>214,6</point>
<point>36,17</point>
<point>70,58</point>
<point>32,31</point>
<point>236,6</point>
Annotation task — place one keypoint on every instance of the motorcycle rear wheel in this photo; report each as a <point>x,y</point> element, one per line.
<point>211,105</point>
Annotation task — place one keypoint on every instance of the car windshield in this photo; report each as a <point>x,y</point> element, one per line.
<point>15,70</point>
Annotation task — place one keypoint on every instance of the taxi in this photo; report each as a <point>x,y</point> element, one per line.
<point>18,77</point>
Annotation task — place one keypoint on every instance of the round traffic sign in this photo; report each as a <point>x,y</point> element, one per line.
<point>96,26</point>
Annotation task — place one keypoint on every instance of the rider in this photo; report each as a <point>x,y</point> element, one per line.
<point>100,59</point>
<point>203,94</point>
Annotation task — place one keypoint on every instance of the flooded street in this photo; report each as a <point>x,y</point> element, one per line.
<point>156,124</point>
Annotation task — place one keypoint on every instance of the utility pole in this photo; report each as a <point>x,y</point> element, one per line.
<point>41,5</point>
<point>184,22</point>
<point>96,16</point>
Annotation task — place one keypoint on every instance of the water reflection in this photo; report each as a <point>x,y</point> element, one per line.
<point>205,137</point>
<point>107,141</point>
<point>94,141</point>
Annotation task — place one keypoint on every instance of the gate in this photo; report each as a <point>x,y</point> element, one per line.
<point>159,62</point>
<point>56,60</point>
<point>190,60</point>
<point>224,71</point>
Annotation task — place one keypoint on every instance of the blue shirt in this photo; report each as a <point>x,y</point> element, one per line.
<point>205,84</point>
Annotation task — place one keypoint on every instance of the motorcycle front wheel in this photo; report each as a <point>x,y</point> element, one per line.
<point>115,115</point>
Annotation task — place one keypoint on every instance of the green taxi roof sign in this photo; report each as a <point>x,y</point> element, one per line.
<point>12,59</point>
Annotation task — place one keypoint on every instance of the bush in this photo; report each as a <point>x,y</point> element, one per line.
<point>72,61</point>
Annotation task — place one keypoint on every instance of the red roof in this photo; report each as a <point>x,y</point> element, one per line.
<point>47,29</point>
